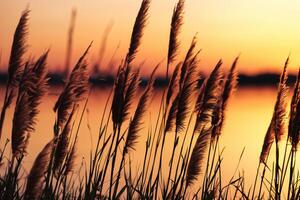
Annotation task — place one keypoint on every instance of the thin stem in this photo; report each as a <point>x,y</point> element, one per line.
<point>171,161</point>
<point>4,108</point>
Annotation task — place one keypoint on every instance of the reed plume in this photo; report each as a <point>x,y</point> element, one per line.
<point>36,175</point>
<point>70,42</point>
<point>129,96</point>
<point>197,156</point>
<point>210,97</point>
<point>73,92</point>
<point>276,128</point>
<point>186,93</point>
<point>296,128</point>
<point>173,84</point>
<point>171,120</point>
<point>18,49</point>
<point>118,98</point>
<point>294,121</point>
<point>217,117</point>
<point>32,88</point>
<point>281,103</point>
<point>137,121</point>
<point>70,161</point>
<point>199,101</point>
<point>15,66</point>
<point>229,87</point>
<point>103,47</point>
<point>62,145</point>
<point>125,89</point>
<point>124,77</point>
<point>268,141</point>
<point>187,60</point>
<point>176,23</point>
<point>138,30</point>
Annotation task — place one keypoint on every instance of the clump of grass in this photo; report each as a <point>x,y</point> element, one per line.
<point>275,133</point>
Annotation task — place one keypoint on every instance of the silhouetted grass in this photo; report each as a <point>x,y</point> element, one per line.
<point>191,113</point>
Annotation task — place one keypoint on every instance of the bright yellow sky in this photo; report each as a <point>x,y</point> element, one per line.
<point>264,32</point>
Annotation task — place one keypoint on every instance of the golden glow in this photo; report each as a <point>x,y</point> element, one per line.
<point>264,32</point>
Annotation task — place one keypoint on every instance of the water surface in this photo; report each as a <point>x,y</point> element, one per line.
<point>247,119</point>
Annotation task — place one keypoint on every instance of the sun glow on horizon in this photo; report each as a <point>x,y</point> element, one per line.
<point>264,32</point>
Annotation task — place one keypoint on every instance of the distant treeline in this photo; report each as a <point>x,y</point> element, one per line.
<point>263,79</point>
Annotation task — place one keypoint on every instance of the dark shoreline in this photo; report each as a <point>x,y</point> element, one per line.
<point>260,80</point>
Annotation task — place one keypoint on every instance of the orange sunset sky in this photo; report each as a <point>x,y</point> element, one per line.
<point>264,32</point>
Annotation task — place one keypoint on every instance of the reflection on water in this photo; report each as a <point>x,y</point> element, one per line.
<point>247,119</point>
